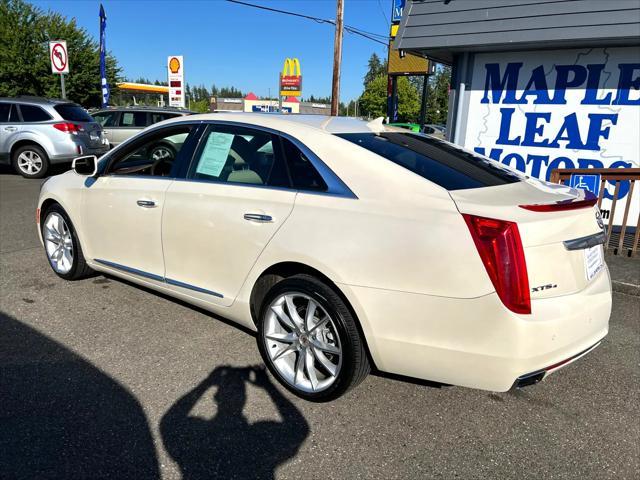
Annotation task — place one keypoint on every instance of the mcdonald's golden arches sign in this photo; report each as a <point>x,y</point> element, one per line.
<point>291,78</point>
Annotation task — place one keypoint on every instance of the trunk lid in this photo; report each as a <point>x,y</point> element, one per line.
<point>91,133</point>
<point>553,268</point>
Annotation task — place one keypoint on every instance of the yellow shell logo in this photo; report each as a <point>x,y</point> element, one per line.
<point>174,65</point>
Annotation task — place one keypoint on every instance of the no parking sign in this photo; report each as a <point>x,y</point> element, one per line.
<point>59,57</point>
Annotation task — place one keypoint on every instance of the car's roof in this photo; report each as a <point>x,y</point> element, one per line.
<point>321,122</point>
<point>177,111</point>
<point>33,100</point>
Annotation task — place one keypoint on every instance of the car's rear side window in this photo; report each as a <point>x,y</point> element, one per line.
<point>33,113</point>
<point>5,110</point>
<point>133,119</point>
<point>435,160</point>
<point>73,113</point>
<point>303,173</point>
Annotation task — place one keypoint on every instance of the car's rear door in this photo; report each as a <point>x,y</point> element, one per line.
<point>218,219</point>
<point>122,208</point>
<point>9,127</point>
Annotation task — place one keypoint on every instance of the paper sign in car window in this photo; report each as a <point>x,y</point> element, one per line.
<point>215,153</point>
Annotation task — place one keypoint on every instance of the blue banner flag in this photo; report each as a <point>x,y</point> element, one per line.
<point>103,66</point>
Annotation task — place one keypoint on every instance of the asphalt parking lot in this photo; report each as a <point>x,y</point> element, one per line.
<point>102,379</point>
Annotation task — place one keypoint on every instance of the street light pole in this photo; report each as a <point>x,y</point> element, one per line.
<point>337,59</point>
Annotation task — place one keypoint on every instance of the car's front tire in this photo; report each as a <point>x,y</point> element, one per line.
<point>30,161</point>
<point>61,245</point>
<point>309,339</point>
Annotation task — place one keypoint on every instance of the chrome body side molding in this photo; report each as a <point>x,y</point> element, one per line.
<point>157,278</point>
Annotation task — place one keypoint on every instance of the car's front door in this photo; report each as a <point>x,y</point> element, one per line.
<point>218,219</point>
<point>122,208</point>
<point>107,119</point>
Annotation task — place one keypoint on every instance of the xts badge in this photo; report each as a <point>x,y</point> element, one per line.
<point>544,287</point>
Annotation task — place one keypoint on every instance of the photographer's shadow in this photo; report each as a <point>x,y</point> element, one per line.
<point>228,446</point>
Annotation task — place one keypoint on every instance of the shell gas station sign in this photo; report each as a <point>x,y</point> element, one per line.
<point>175,77</point>
<point>291,78</point>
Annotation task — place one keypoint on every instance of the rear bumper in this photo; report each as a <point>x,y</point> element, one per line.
<point>77,150</point>
<point>477,342</point>
<point>537,376</point>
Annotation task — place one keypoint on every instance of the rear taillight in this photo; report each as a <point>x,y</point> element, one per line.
<point>500,248</point>
<point>68,127</point>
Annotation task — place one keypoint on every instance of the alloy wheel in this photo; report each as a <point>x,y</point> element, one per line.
<point>29,162</point>
<point>58,243</point>
<point>302,342</point>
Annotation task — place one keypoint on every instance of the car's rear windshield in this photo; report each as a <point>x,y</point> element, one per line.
<point>73,113</point>
<point>437,161</point>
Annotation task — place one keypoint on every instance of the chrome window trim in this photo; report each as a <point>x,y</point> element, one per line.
<point>335,186</point>
<point>585,242</point>
<point>157,278</point>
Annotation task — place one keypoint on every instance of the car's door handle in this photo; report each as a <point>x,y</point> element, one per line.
<point>257,217</point>
<point>146,203</point>
<point>10,129</point>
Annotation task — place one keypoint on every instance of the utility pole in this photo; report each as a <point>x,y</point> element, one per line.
<point>423,103</point>
<point>337,59</point>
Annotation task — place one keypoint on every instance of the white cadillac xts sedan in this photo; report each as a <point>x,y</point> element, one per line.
<point>345,245</point>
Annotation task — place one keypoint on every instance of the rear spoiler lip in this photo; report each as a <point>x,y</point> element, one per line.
<point>585,242</point>
<point>589,200</point>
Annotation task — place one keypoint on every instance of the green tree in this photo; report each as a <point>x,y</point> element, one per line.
<point>25,68</point>
<point>438,96</point>
<point>373,102</point>
<point>375,68</point>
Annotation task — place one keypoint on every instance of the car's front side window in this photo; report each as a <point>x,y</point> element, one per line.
<point>106,119</point>
<point>153,155</point>
<point>239,155</point>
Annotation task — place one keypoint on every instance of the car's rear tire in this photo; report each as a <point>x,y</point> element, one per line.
<point>62,246</point>
<point>30,161</point>
<point>318,356</point>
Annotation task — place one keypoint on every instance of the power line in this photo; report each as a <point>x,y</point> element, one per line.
<point>353,30</point>
<point>386,19</point>
<point>276,10</point>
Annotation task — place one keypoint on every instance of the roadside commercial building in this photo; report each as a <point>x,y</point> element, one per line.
<point>251,103</point>
<point>537,85</point>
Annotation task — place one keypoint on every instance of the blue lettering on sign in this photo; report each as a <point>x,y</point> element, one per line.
<point>398,7</point>
<point>586,182</point>
<point>501,87</point>
<point>510,85</point>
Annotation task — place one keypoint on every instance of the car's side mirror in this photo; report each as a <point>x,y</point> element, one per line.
<point>86,166</point>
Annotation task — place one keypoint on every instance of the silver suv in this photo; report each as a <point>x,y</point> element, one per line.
<point>121,123</point>
<point>38,132</point>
